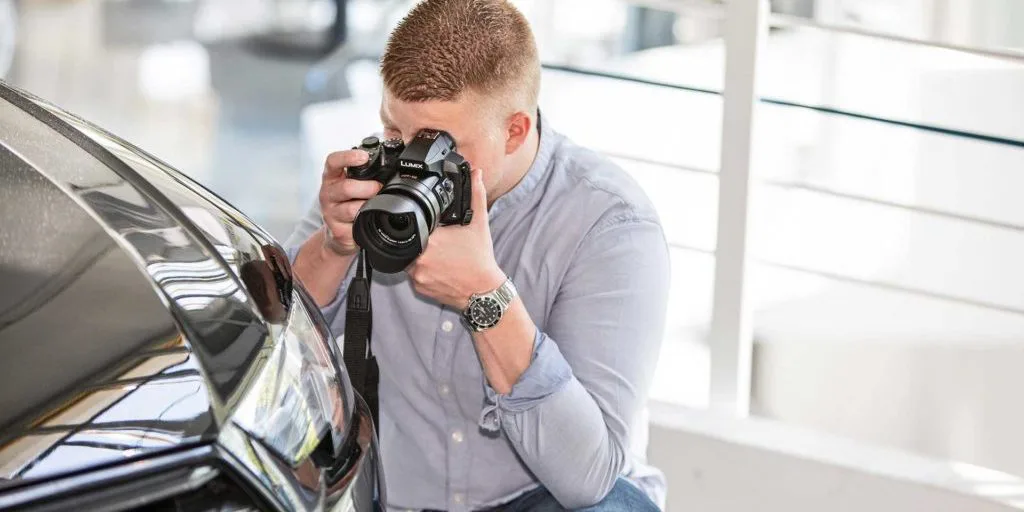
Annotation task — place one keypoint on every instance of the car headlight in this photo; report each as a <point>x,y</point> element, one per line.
<point>296,398</point>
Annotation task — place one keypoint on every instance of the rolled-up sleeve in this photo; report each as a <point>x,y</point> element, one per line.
<point>569,414</point>
<point>548,373</point>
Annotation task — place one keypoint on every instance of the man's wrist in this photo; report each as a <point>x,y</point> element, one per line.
<point>319,269</point>
<point>488,281</point>
<point>506,350</point>
<point>330,249</point>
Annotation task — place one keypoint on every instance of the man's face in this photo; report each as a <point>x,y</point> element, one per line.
<point>479,137</point>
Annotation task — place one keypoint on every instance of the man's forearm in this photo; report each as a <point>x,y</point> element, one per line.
<point>550,408</point>
<point>566,443</point>
<point>507,349</point>
<point>320,269</point>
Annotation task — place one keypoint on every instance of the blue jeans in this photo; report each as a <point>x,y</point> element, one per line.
<point>624,496</point>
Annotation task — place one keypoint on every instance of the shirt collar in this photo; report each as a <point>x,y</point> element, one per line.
<point>545,149</point>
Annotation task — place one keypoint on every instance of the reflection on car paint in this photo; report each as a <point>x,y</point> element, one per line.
<point>114,419</point>
<point>228,288</point>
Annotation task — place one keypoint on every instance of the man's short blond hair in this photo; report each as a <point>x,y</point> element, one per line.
<point>444,48</point>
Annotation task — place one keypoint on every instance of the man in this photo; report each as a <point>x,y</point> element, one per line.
<point>537,412</point>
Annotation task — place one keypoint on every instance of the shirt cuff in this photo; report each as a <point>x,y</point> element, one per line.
<point>547,374</point>
<point>331,309</point>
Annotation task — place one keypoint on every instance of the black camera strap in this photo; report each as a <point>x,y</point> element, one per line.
<point>358,353</point>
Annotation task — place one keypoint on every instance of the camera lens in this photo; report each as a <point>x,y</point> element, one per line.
<point>398,222</point>
<point>395,229</point>
<point>392,228</point>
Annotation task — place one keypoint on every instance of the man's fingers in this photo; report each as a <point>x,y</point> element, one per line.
<point>336,162</point>
<point>349,189</point>
<point>343,212</point>
<point>360,189</point>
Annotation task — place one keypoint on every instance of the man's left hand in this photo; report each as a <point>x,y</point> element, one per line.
<point>459,260</point>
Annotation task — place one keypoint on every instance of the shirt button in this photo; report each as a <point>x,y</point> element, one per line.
<point>457,436</point>
<point>458,498</point>
<point>444,389</point>
<point>447,326</point>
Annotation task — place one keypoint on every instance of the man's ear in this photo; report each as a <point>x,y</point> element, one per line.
<point>519,125</point>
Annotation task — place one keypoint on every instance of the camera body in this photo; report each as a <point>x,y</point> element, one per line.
<point>426,184</point>
<point>431,158</point>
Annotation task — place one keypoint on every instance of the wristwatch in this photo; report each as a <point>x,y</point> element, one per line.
<point>486,309</point>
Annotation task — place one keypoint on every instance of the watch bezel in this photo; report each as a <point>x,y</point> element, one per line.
<point>477,308</point>
<point>502,297</point>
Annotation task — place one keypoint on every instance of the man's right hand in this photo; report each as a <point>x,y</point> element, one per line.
<point>326,255</point>
<point>341,198</point>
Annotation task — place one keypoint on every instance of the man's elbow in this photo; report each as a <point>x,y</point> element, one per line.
<point>585,495</point>
<point>593,488</point>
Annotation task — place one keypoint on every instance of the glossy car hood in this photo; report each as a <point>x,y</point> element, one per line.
<point>84,340</point>
<point>187,290</point>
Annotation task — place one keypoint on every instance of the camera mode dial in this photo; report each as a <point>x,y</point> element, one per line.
<point>372,146</point>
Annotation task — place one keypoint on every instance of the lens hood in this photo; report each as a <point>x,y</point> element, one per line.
<point>386,253</point>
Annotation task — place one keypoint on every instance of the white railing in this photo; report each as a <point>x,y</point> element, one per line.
<point>746,23</point>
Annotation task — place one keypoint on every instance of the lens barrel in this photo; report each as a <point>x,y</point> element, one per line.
<point>392,228</point>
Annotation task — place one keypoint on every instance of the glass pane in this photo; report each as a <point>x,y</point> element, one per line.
<point>888,299</point>
<point>666,139</point>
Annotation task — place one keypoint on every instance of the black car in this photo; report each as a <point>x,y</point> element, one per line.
<point>155,351</point>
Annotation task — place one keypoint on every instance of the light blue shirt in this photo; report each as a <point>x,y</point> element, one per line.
<point>584,247</point>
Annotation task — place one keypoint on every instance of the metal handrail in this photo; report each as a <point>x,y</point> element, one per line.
<point>816,189</point>
<point>952,132</point>
<point>716,11</point>
<point>853,197</point>
<point>934,212</point>
<point>882,285</point>
<point>920,292</point>
<point>834,193</point>
<point>785,20</point>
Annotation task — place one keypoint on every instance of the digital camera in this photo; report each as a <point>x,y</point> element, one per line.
<point>426,185</point>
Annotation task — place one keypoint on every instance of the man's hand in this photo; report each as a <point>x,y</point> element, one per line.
<point>326,255</point>
<point>341,198</point>
<point>459,260</point>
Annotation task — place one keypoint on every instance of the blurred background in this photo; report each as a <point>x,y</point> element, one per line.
<point>886,291</point>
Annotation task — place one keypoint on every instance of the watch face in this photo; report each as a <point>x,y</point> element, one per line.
<point>485,312</point>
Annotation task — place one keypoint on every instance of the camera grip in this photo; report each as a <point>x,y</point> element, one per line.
<point>466,178</point>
